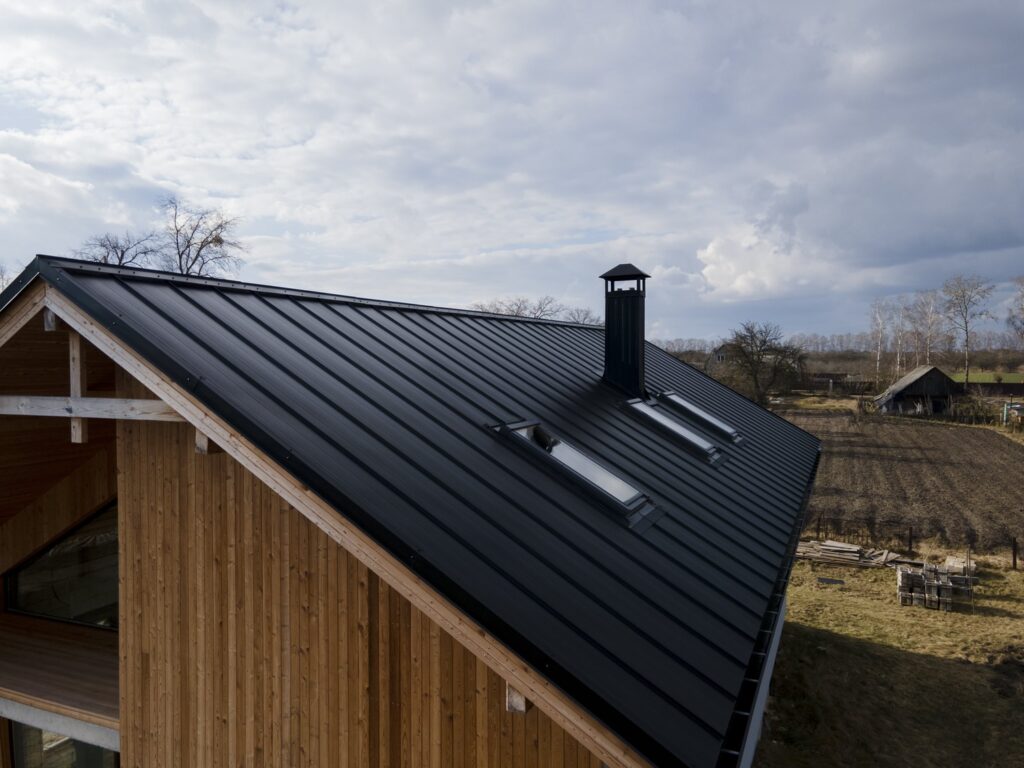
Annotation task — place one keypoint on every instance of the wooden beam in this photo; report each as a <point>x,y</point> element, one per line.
<point>514,700</point>
<point>76,370</point>
<point>490,650</point>
<point>26,306</point>
<point>50,321</point>
<point>205,446</point>
<point>88,407</point>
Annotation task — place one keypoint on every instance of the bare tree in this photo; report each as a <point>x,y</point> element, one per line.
<point>129,249</point>
<point>544,308</point>
<point>928,320</point>
<point>898,311</point>
<point>583,315</point>
<point>965,303</point>
<point>879,333</point>
<point>1015,318</point>
<point>760,360</point>
<point>199,241</point>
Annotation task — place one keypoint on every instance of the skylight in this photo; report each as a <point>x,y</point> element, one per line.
<point>654,413</point>
<point>579,463</point>
<point>698,412</point>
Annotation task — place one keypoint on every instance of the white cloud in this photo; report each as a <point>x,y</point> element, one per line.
<point>451,152</point>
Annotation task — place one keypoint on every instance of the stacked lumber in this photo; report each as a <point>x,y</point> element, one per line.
<point>841,553</point>
<point>932,586</point>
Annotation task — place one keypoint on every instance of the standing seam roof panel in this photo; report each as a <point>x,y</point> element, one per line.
<point>386,411</point>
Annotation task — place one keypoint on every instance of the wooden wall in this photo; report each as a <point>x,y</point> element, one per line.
<point>248,638</point>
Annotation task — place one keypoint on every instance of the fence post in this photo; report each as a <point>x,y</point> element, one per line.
<point>910,540</point>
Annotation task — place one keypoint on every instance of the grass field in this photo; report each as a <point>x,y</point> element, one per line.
<point>989,377</point>
<point>964,484</point>
<point>861,681</point>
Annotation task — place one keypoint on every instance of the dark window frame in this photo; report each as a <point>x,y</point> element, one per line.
<point>13,743</point>
<point>10,578</point>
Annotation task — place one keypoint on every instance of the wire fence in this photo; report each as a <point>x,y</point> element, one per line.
<point>903,536</point>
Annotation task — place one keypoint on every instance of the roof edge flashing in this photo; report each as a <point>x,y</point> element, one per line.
<point>61,263</point>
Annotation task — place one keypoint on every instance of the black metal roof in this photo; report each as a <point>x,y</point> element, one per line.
<point>624,272</point>
<point>387,411</point>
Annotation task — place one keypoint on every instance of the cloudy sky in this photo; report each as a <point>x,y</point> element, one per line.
<point>782,160</point>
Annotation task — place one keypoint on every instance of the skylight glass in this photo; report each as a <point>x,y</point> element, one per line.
<point>579,463</point>
<point>655,414</point>
<point>700,413</point>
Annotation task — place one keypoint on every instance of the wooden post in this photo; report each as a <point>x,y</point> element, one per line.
<point>50,321</point>
<point>79,428</point>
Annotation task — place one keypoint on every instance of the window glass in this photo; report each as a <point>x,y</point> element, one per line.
<point>700,413</point>
<point>34,748</point>
<point>75,579</point>
<point>671,424</point>
<point>579,463</point>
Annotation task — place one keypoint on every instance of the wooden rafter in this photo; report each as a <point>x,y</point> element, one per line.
<point>21,310</point>
<point>88,408</point>
<point>534,686</point>
<point>76,372</point>
<point>204,445</point>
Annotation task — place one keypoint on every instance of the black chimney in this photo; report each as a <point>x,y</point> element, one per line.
<point>624,328</point>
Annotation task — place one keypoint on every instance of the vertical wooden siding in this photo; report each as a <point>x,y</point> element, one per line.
<point>249,638</point>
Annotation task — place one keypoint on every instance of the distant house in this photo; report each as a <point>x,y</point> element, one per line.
<point>925,390</point>
<point>247,525</point>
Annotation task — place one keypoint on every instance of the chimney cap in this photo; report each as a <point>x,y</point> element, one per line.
<point>625,272</point>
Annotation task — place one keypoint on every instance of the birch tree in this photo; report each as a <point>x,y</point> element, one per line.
<point>1015,318</point>
<point>879,334</point>
<point>966,298</point>
<point>928,320</point>
<point>898,313</point>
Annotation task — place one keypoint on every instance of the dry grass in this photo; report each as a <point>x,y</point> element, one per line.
<point>821,402</point>
<point>861,681</point>
<point>989,377</point>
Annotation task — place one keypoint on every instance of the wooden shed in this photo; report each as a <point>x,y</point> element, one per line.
<point>925,390</point>
<point>247,525</point>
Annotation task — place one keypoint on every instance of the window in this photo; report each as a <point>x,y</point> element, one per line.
<point>579,463</point>
<point>705,447</point>
<point>696,411</point>
<point>75,579</point>
<point>35,748</point>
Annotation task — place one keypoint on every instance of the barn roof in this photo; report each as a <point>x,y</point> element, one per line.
<point>909,380</point>
<point>388,412</point>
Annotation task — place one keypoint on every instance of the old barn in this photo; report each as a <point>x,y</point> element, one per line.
<point>247,525</point>
<point>925,390</point>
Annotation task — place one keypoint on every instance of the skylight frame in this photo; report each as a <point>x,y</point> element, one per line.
<point>676,401</point>
<point>638,511</point>
<point>693,440</point>
<point>577,459</point>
